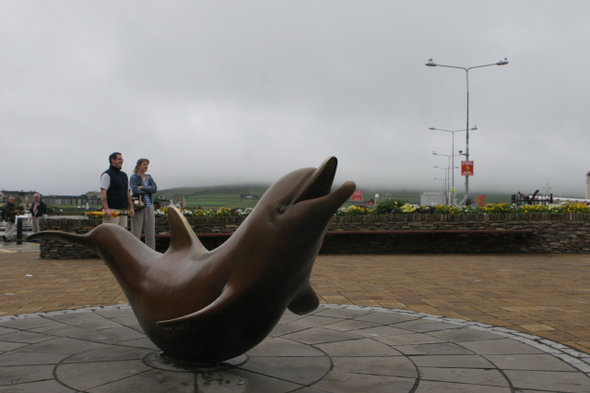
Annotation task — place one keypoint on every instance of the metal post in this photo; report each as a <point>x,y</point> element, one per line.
<point>19,231</point>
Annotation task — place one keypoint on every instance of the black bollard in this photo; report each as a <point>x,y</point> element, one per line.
<point>19,231</point>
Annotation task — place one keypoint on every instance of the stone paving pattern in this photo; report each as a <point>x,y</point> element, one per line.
<point>335,349</point>
<point>544,295</point>
<point>401,323</point>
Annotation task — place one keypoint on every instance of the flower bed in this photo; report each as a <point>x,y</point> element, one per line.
<point>400,207</point>
<point>389,207</point>
<point>221,212</point>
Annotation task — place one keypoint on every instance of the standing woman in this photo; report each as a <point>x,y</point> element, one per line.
<point>38,209</point>
<point>142,184</point>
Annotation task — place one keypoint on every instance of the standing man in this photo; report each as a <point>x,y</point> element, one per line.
<point>114,192</point>
<point>38,210</point>
<point>9,215</point>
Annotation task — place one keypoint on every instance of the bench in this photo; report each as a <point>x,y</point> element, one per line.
<point>521,232</point>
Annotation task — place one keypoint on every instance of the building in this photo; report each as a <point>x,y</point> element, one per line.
<point>20,197</point>
<point>91,198</point>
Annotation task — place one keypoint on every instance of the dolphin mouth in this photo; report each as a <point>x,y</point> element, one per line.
<point>320,183</point>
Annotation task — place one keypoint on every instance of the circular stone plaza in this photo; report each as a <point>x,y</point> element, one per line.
<point>387,323</point>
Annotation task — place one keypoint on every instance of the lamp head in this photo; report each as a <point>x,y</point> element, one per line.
<point>501,62</point>
<point>431,63</point>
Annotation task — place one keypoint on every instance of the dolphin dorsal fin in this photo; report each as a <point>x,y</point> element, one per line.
<point>182,236</point>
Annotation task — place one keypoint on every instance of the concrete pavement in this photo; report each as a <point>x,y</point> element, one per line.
<point>414,323</point>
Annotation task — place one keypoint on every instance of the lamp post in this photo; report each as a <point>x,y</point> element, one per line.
<point>431,63</point>
<point>443,180</point>
<point>446,183</point>
<point>448,166</point>
<point>453,190</point>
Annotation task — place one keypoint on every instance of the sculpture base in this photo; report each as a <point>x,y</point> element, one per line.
<point>162,361</point>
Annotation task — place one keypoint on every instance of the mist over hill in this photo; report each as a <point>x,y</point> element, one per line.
<point>247,195</point>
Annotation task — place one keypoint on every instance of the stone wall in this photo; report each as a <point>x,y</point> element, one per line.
<point>551,233</point>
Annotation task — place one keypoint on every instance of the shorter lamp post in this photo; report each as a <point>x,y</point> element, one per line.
<point>453,189</point>
<point>443,180</point>
<point>446,183</point>
<point>448,166</point>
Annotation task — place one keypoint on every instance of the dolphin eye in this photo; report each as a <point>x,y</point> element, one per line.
<point>281,209</point>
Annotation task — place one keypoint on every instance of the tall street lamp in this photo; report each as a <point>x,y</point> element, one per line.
<point>431,63</point>
<point>453,190</point>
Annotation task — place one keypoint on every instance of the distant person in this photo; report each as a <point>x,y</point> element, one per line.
<point>38,209</point>
<point>9,214</point>
<point>114,193</point>
<point>144,185</point>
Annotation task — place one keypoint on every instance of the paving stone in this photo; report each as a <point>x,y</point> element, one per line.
<point>469,376</point>
<point>50,386</point>
<point>359,347</point>
<point>424,326</point>
<point>410,338</point>
<point>452,361</point>
<point>24,374</point>
<point>88,375</point>
<point>301,370</point>
<point>25,337</point>
<point>549,380</point>
<point>433,349</point>
<point>108,353</point>
<point>280,346</point>
<point>111,335</point>
<point>349,324</point>
<point>342,382</point>
<point>393,366</point>
<point>445,387</point>
<point>503,346</point>
<point>319,336</point>
<point>241,381</point>
<point>386,318</point>
<point>151,381</point>
<point>4,330</point>
<point>464,335</point>
<point>538,362</point>
<point>9,346</point>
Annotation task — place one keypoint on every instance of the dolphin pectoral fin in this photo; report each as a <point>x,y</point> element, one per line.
<point>218,306</point>
<point>182,236</point>
<point>305,303</point>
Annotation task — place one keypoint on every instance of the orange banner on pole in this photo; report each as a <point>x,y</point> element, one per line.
<point>466,168</point>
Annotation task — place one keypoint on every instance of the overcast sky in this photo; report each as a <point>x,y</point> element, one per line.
<point>219,92</point>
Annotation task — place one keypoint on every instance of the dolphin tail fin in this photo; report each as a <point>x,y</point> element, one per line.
<point>182,236</point>
<point>305,303</point>
<point>65,237</point>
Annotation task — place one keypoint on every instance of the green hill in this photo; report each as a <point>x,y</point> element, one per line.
<point>239,196</point>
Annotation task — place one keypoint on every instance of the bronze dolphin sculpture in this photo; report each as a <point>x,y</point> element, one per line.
<point>210,306</point>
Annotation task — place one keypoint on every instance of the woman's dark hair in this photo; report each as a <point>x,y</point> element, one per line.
<point>139,162</point>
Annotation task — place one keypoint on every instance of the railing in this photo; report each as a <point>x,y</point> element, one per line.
<point>532,199</point>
